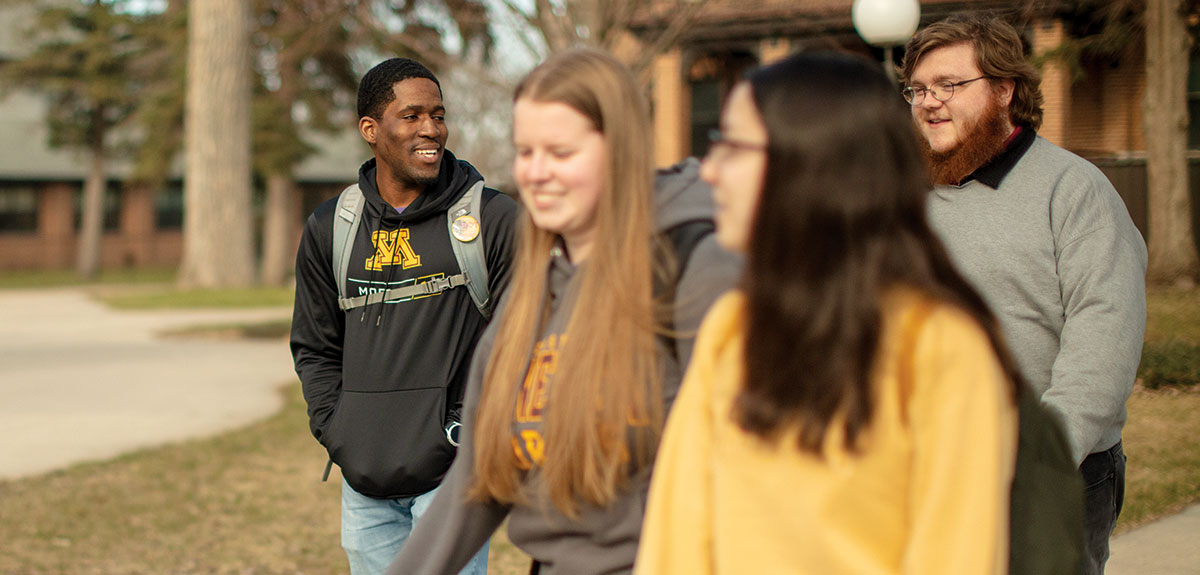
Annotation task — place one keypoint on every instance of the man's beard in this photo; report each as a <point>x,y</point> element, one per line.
<point>979,144</point>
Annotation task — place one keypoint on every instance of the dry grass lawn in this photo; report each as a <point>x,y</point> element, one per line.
<point>248,502</point>
<point>1163,474</point>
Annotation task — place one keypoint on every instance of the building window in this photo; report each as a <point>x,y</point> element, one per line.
<point>706,114</point>
<point>111,220</point>
<point>710,78</point>
<point>18,208</point>
<point>168,207</point>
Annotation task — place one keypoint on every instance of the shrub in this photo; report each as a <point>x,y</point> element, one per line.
<point>1173,363</point>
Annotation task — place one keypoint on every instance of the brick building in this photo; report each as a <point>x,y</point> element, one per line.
<point>41,187</point>
<point>1097,114</point>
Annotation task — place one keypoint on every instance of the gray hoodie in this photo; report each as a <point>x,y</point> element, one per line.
<point>604,539</point>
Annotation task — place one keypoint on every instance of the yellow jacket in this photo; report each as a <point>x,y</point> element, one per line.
<point>927,495</point>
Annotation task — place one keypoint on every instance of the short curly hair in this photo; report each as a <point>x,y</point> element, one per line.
<point>375,89</point>
<point>999,53</point>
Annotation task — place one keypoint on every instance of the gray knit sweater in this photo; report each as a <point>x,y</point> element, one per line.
<point>1054,253</point>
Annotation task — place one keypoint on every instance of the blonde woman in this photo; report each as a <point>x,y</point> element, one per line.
<point>569,389</point>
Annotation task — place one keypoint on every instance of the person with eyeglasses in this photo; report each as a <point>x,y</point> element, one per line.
<point>850,408</point>
<point>1042,234</point>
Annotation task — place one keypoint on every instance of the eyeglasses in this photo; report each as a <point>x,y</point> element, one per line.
<point>720,146</point>
<point>941,91</point>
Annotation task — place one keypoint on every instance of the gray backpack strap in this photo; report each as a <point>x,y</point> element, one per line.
<point>463,221</point>
<point>433,286</point>
<point>345,227</point>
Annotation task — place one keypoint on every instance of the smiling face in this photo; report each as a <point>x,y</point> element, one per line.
<point>409,137</point>
<point>736,167</point>
<point>560,165</point>
<point>948,125</point>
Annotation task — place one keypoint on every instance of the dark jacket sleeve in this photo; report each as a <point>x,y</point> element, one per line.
<point>454,527</point>
<point>318,325</point>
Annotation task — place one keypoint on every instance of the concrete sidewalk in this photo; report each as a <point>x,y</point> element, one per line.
<point>80,382</point>
<point>1169,546</point>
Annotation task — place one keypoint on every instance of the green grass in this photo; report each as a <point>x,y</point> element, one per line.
<point>273,329</point>
<point>166,297</point>
<point>1173,314</point>
<point>1171,355</point>
<point>1169,363</point>
<point>23,279</point>
<point>149,288</point>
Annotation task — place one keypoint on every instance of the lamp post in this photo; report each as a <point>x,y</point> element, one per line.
<point>887,24</point>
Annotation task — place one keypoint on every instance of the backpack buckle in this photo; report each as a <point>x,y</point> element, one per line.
<point>437,285</point>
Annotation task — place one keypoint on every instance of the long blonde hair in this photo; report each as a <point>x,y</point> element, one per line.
<point>607,387</point>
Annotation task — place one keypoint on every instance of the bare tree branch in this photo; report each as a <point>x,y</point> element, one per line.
<point>683,17</point>
<point>522,23</point>
<point>558,29</point>
<point>428,52</point>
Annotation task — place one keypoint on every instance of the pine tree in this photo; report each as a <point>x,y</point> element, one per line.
<point>304,68</point>
<point>81,64</point>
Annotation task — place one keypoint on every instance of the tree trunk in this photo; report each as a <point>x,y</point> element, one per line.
<point>279,238</point>
<point>91,232</point>
<point>218,244</point>
<point>1172,247</point>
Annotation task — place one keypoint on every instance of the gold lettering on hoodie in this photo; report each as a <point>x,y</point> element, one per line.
<point>531,400</point>
<point>392,249</point>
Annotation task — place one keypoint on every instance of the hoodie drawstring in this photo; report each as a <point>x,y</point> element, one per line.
<point>374,254</point>
<point>391,273</point>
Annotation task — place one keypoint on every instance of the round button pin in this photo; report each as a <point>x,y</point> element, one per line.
<point>465,228</point>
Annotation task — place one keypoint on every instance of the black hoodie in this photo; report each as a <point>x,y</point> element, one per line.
<point>382,381</point>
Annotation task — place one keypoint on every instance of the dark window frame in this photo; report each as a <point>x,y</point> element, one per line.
<point>168,207</point>
<point>14,217</point>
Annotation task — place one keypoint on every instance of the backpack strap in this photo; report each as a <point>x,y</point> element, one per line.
<point>908,349</point>
<point>683,239</point>
<point>433,286</point>
<point>345,226</point>
<point>463,221</point>
<point>463,224</point>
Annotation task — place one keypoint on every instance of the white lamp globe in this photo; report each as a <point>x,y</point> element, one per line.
<point>885,22</point>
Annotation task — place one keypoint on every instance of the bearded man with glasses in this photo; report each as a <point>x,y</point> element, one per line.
<point>1044,237</point>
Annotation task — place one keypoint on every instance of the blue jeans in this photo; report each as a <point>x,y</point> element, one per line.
<point>1104,481</point>
<point>374,530</point>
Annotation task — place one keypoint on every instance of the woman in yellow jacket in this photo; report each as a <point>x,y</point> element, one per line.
<point>851,408</point>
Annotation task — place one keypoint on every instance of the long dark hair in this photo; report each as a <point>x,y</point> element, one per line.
<point>841,220</point>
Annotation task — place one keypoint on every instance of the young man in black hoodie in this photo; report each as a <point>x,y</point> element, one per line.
<point>384,382</point>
